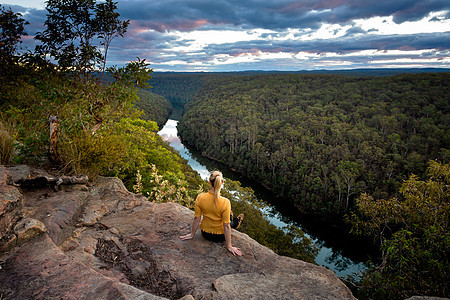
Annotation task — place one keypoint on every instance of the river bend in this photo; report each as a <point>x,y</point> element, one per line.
<point>331,257</point>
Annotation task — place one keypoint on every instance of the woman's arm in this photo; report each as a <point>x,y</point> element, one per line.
<point>191,235</point>
<point>227,232</point>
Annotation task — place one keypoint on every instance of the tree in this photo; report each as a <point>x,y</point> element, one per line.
<point>12,28</point>
<point>67,39</point>
<point>71,27</point>
<point>414,238</point>
<point>348,173</point>
<point>108,27</point>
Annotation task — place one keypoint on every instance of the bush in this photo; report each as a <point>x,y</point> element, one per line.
<point>160,189</point>
<point>414,237</point>
<point>7,137</point>
<point>89,154</point>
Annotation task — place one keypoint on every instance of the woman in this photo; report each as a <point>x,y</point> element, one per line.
<point>216,211</point>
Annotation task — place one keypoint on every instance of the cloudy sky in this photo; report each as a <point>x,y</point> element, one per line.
<point>236,35</point>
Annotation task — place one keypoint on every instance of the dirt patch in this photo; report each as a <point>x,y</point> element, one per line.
<point>139,266</point>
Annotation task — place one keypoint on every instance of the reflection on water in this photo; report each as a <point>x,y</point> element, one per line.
<point>170,133</point>
<point>332,249</point>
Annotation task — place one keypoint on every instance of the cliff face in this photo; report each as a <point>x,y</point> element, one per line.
<point>103,242</point>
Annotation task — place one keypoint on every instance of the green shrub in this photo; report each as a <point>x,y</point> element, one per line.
<point>7,137</point>
<point>89,154</point>
<point>414,237</point>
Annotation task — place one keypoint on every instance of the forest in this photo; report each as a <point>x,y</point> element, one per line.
<point>178,89</point>
<point>107,120</point>
<point>154,107</point>
<point>373,148</point>
<point>322,140</point>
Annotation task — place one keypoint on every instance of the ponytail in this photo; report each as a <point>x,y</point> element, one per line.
<point>216,180</point>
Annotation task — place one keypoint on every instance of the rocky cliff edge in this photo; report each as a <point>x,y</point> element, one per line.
<point>61,238</point>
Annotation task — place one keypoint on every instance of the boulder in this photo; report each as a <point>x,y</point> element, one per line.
<point>4,173</point>
<point>28,228</point>
<point>10,210</point>
<point>26,177</point>
<point>17,173</point>
<point>103,242</point>
<point>426,298</point>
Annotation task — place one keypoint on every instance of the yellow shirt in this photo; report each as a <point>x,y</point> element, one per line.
<point>213,217</point>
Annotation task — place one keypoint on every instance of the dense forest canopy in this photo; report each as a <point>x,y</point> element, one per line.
<point>321,140</point>
<point>324,141</point>
<point>154,107</point>
<point>178,89</point>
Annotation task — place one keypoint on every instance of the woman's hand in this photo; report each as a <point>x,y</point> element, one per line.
<point>235,250</point>
<point>187,237</point>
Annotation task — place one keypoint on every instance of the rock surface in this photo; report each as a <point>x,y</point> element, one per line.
<point>103,242</point>
<point>426,298</point>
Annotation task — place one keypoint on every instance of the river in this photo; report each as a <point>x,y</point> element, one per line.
<point>339,252</point>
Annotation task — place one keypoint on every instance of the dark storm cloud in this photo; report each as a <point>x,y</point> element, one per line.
<point>439,41</point>
<point>138,35</point>
<point>279,15</point>
<point>272,14</point>
<point>35,17</point>
<point>355,30</point>
<point>153,24</point>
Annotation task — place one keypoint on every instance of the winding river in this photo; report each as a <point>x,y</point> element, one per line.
<point>339,252</point>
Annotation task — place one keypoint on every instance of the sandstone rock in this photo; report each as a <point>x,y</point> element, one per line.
<point>25,176</point>
<point>69,244</point>
<point>426,298</point>
<point>17,173</point>
<point>10,198</point>
<point>10,202</point>
<point>3,175</point>
<point>114,230</point>
<point>27,228</point>
<point>204,269</point>
<point>125,246</point>
<point>31,177</point>
<point>107,195</point>
<point>59,211</point>
<point>8,242</point>
<point>40,270</point>
<point>10,210</point>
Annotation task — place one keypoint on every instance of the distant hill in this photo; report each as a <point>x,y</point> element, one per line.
<point>155,107</point>
<point>349,72</point>
<point>181,87</point>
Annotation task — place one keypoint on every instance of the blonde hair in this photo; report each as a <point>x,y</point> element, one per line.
<point>216,180</point>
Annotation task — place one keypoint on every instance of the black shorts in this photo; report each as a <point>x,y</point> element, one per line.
<point>213,237</point>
